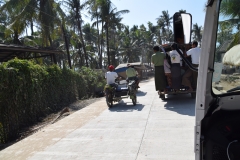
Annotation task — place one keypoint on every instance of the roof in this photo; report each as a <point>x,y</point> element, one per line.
<point>137,65</point>
<point>125,64</point>
<point>148,66</point>
<point>11,51</point>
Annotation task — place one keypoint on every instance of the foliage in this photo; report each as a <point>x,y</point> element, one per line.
<point>94,45</point>
<point>231,13</point>
<point>29,91</point>
<point>197,33</point>
<point>93,79</point>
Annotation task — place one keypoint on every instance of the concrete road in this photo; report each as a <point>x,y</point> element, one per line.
<point>153,129</point>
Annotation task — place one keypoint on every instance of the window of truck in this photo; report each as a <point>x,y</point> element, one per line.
<point>226,76</point>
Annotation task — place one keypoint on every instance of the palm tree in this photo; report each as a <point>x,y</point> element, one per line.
<point>224,32</point>
<point>75,6</point>
<point>151,39</point>
<point>90,36</point>
<point>18,16</point>
<point>23,14</point>
<point>94,11</point>
<point>129,45</point>
<point>165,20</point>
<point>3,22</point>
<point>161,30</point>
<point>182,11</point>
<point>229,9</point>
<point>108,17</point>
<point>152,32</point>
<point>197,30</point>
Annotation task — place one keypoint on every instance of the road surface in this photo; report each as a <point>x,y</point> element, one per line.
<point>153,129</point>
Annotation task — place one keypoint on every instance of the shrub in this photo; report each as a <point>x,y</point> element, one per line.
<point>29,91</point>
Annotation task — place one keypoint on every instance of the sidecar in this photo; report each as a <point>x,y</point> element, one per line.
<point>121,89</point>
<point>118,91</point>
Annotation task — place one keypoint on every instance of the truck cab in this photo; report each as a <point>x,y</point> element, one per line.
<point>217,125</point>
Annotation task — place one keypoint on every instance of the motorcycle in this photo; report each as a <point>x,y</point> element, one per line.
<point>119,90</point>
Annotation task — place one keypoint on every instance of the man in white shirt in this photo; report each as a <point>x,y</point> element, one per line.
<point>175,68</point>
<point>194,53</point>
<point>195,56</point>
<point>111,75</point>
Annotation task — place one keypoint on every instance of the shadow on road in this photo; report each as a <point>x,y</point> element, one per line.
<point>182,104</point>
<point>141,93</point>
<point>126,107</point>
<point>145,81</point>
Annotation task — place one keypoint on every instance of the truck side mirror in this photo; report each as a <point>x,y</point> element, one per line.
<point>182,27</point>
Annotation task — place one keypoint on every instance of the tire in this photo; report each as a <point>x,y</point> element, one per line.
<point>162,96</point>
<point>193,95</point>
<point>134,100</point>
<point>109,99</point>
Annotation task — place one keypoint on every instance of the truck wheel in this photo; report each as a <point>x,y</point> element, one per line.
<point>193,95</point>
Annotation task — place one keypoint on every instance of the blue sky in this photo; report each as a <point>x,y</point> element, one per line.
<point>142,11</point>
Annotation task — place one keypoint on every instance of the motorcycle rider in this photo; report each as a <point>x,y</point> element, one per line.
<point>132,74</point>
<point>111,76</point>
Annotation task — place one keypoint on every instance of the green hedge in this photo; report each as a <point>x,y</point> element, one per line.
<point>29,91</point>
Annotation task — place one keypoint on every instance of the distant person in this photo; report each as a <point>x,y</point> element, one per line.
<point>175,68</point>
<point>158,62</point>
<point>167,70</point>
<point>195,53</point>
<point>132,74</point>
<point>111,76</point>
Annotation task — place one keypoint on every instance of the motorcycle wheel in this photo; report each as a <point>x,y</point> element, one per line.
<point>134,100</point>
<point>162,96</point>
<point>109,99</point>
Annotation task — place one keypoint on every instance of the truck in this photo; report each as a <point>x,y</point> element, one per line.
<point>217,106</point>
<point>184,67</point>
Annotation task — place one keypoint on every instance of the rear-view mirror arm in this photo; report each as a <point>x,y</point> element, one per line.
<point>189,64</point>
<point>184,58</point>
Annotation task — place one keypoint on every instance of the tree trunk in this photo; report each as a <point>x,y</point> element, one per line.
<point>159,38</point>
<point>67,47</point>
<point>99,50</point>
<point>79,20</point>
<point>107,45</point>
<point>53,55</point>
<point>100,59</point>
<point>114,46</point>
<point>81,37</point>
<point>32,28</point>
<point>16,40</point>
<point>81,62</point>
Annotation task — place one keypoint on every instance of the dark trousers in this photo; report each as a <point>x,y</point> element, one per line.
<point>160,79</point>
<point>190,77</point>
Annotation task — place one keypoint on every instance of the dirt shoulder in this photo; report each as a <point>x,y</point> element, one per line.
<point>52,118</point>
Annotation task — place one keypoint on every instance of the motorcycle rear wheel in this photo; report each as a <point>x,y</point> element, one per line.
<point>109,99</point>
<point>134,100</point>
